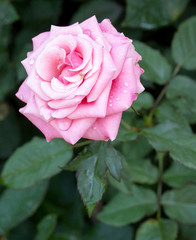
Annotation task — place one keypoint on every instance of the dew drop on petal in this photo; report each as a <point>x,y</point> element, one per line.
<point>111,97</point>
<point>21,97</point>
<point>94,128</point>
<point>126,84</point>
<point>117,99</point>
<point>110,100</point>
<point>124,91</point>
<point>110,105</point>
<point>31,61</point>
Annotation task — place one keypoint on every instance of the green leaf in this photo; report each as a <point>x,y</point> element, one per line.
<point>152,14</point>
<point>184,44</point>
<point>8,14</point>
<point>102,9</point>
<point>132,149</point>
<point>91,168</point>
<point>185,88</point>
<point>180,143</point>
<point>167,111</point>
<point>126,135</point>
<point>178,175</point>
<point>102,231</point>
<point>34,161</point>
<point>125,183</point>
<point>46,227</point>
<point>143,171</point>
<point>124,209</point>
<point>144,100</point>
<point>17,205</point>
<point>113,161</point>
<point>181,204</point>
<point>157,230</point>
<point>156,68</point>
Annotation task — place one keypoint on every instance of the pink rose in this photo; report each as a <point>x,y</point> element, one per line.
<point>80,80</point>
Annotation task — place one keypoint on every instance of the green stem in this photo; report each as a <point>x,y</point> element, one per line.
<point>77,145</point>
<point>163,91</point>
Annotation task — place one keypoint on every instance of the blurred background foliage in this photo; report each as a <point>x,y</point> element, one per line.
<point>147,195</point>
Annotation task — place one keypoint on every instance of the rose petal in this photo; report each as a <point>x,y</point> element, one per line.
<point>106,26</point>
<point>49,61</point>
<point>104,128</point>
<point>61,124</point>
<point>32,113</point>
<point>124,89</point>
<point>73,29</point>
<point>56,104</point>
<point>120,46</point>
<point>91,25</point>
<point>39,40</point>
<point>106,75</point>
<point>94,109</point>
<point>77,129</point>
<point>24,92</point>
<point>64,112</point>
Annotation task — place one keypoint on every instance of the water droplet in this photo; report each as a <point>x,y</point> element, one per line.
<point>94,128</point>
<point>53,31</point>
<point>123,71</point>
<point>110,105</point>
<point>111,97</point>
<point>31,61</point>
<point>117,99</point>
<point>126,84</point>
<point>125,91</point>
<point>110,100</point>
<point>21,97</point>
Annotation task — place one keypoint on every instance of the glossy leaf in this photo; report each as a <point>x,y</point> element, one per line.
<point>184,44</point>
<point>91,168</point>
<point>124,208</point>
<point>157,230</point>
<point>152,14</point>
<point>180,143</point>
<point>143,171</point>
<point>185,88</point>
<point>46,227</point>
<point>181,204</point>
<point>178,175</point>
<point>34,161</point>
<point>156,68</point>
<point>17,205</point>
<point>125,183</point>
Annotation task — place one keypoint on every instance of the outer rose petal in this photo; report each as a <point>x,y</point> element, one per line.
<point>32,113</point>
<point>77,129</point>
<point>24,92</point>
<point>124,89</point>
<point>73,29</point>
<point>106,26</point>
<point>104,128</point>
<point>40,39</point>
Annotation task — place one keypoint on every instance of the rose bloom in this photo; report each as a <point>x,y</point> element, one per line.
<point>80,80</point>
